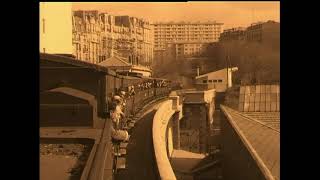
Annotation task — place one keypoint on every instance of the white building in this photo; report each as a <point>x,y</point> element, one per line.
<point>55,21</point>
<point>219,80</point>
<point>185,31</point>
<point>186,38</point>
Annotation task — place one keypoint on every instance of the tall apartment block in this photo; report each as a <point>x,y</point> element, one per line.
<point>99,36</point>
<point>179,33</point>
<point>185,49</point>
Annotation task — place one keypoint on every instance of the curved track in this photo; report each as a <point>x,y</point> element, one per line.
<point>140,154</point>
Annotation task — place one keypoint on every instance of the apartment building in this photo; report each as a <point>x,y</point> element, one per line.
<point>263,31</point>
<point>184,49</point>
<point>235,34</point>
<point>185,31</point>
<point>185,38</point>
<point>98,36</point>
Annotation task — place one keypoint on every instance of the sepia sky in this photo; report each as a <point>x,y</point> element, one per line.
<point>232,14</point>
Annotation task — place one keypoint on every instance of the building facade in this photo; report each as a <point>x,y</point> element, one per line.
<point>233,34</point>
<point>219,80</point>
<point>98,36</point>
<point>263,31</point>
<point>182,31</point>
<point>185,49</point>
<point>183,38</point>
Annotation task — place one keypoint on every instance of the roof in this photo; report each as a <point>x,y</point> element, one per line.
<point>271,119</point>
<point>262,141</point>
<point>114,61</point>
<point>183,22</point>
<point>203,75</point>
<point>190,42</point>
<point>141,68</point>
<point>184,161</point>
<point>75,62</point>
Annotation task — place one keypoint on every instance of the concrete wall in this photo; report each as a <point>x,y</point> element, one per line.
<point>78,78</point>
<point>169,138</point>
<point>237,161</point>
<point>55,27</point>
<point>212,79</point>
<point>164,135</point>
<point>58,109</point>
<point>176,130</point>
<point>159,135</point>
<point>198,108</point>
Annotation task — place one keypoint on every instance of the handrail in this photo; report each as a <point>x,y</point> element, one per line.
<point>159,127</point>
<point>103,147</point>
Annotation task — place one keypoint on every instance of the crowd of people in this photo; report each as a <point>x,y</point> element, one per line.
<point>151,84</point>
<point>118,105</point>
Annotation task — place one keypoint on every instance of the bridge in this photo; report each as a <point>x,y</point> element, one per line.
<point>74,110</point>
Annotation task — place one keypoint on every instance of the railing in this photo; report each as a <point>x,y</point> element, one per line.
<point>104,148</point>
<point>142,97</point>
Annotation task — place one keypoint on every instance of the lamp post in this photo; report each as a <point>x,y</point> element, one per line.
<point>227,71</point>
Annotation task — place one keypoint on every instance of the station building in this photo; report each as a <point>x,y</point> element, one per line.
<point>220,80</point>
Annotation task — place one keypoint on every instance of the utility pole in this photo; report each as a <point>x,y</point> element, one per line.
<point>228,62</point>
<point>227,70</point>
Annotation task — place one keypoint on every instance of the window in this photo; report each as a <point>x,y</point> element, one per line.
<point>204,81</point>
<point>210,81</point>
<point>220,80</point>
<point>214,80</point>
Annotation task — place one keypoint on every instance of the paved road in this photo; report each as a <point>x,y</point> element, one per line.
<point>140,159</point>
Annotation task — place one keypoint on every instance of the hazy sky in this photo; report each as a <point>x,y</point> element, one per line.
<point>232,14</point>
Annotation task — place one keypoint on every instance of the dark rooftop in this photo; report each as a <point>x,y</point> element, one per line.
<point>75,62</point>
<point>262,140</point>
<point>271,119</point>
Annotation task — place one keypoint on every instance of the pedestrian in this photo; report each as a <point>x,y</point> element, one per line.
<point>132,92</point>
<point>116,115</point>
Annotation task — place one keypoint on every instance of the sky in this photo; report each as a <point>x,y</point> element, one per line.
<point>232,14</point>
